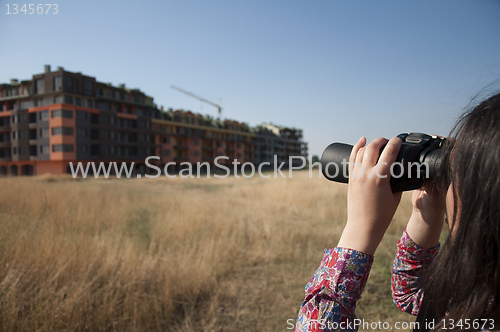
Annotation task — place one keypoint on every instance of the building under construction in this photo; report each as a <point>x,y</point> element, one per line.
<point>59,117</point>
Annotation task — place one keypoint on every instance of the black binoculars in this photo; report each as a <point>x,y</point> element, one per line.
<point>420,158</point>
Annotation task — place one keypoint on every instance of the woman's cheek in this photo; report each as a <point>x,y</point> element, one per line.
<point>450,203</point>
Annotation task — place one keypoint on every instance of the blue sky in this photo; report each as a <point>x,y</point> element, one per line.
<point>336,69</point>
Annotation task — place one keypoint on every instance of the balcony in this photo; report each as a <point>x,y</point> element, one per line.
<point>181,147</point>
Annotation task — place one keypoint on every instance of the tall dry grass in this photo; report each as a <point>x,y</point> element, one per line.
<point>173,254</point>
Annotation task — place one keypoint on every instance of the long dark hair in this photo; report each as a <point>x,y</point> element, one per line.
<point>464,280</point>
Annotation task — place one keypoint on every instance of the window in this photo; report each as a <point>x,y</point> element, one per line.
<point>94,118</point>
<point>43,132</point>
<point>62,131</point>
<point>62,148</point>
<point>23,150</point>
<point>166,152</point>
<point>39,85</point>
<point>94,150</point>
<point>14,150</point>
<point>112,150</point>
<point>132,151</point>
<point>104,134</point>
<point>24,105</point>
<point>166,140</point>
<point>94,134</point>
<point>44,149</point>
<point>57,83</point>
<point>196,142</point>
<point>58,100</point>
<point>21,134</point>
<point>62,113</point>
<point>70,84</point>
<point>78,101</point>
<point>38,102</point>
<point>43,115</point>
<point>88,88</point>
<point>82,148</point>
<point>82,132</point>
<point>90,103</point>
<point>68,100</point>
<point>196,153</point>
<point>112,135</point>
<point>103,106</point>
<point>111,94</point>
<point>104,149</point>
<point>15,119</point>
<point>82,115</point>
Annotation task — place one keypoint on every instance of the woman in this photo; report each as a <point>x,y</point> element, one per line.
<point>463,282</point>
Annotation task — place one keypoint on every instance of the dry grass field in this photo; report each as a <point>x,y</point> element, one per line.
<point>173,254</point>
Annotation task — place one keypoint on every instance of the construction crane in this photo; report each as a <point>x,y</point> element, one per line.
<point>219,108</point>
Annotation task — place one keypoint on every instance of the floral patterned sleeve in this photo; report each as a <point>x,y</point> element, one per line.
<point>332,292</point>
<point>410,264</point>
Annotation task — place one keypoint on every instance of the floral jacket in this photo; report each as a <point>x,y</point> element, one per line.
<point>333,291</point>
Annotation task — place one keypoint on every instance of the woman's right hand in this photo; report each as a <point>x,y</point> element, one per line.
<point>370,201</point>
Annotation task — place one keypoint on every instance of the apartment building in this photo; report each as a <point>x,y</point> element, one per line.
<point>279,141</point>
<point>59,117</point>
<point>183,136</point>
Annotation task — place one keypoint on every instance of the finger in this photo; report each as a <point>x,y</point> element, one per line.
<point>389,155</point>
<point>360,156</point>
<point>372,152</point>
<point>354,152</point>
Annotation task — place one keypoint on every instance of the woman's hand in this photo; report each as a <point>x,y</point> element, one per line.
<point>371,204</point>
<point>426,220</point>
